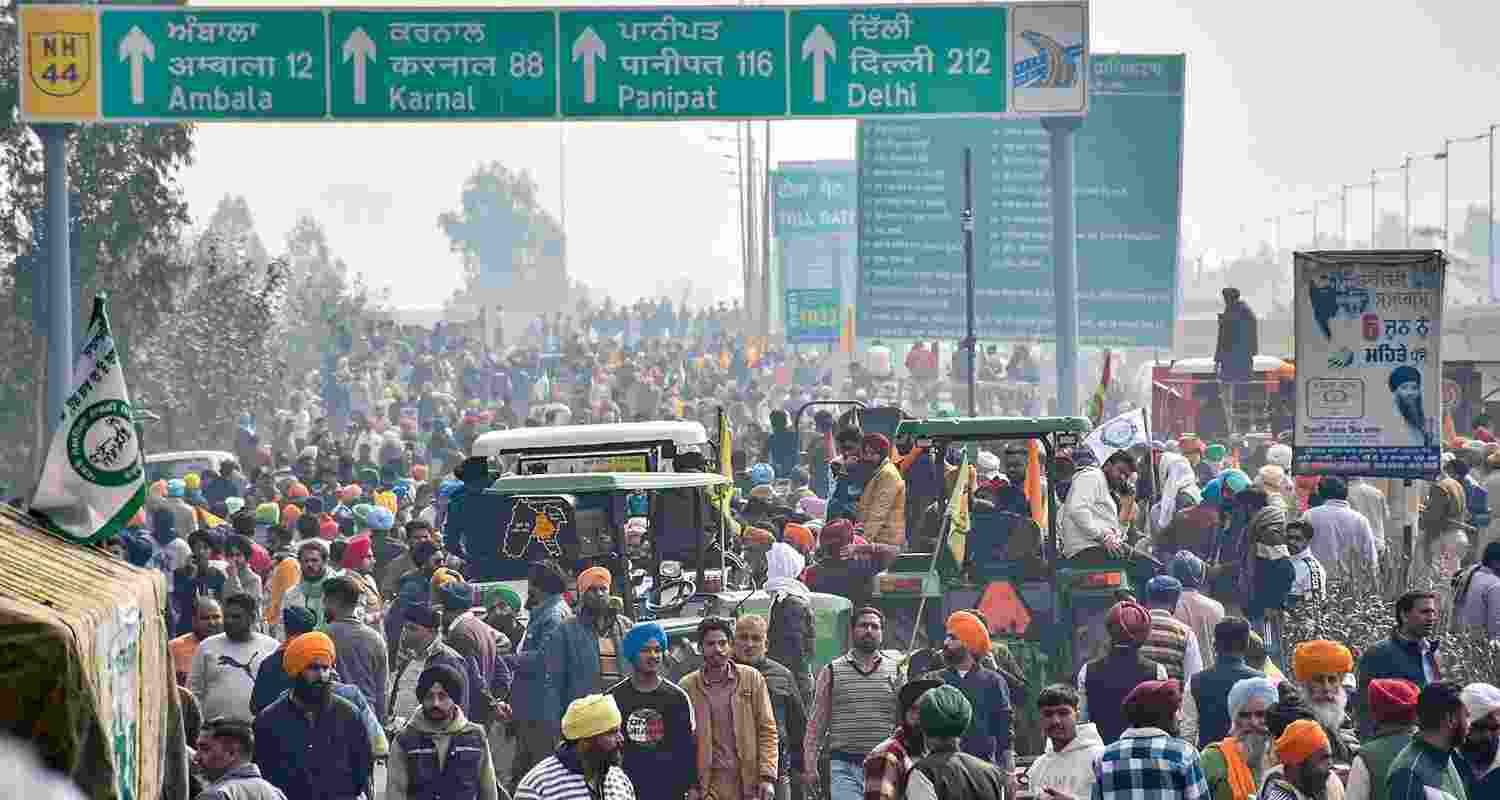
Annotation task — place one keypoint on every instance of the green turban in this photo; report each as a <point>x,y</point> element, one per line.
<point>945,712</point>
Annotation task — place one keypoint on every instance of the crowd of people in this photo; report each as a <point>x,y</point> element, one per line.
<point>328,645</point>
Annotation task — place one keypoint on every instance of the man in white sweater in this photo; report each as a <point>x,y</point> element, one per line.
<point>224,668</point>
<point>1090,521</point>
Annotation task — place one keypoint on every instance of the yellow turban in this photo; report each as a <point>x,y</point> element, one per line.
<point>387,501</point>
<point>1321,657</point>
<point>192,481</point>
<point>443,576</point>
<point>590,716</point>
<point>301,651</point>
<point>594,576</point>
<point>1300,741</point>
<point>969,630</point>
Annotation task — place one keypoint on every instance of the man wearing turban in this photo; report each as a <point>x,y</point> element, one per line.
<point>431,756</point>
<point>1320,666</point>
<point>331,757</point>
<point>948,773</point>
<point>584,658</point>
<point>889,764</point>
<point>1236,765</point>
<point>1149,753</point>
<point>966,643</point>
<point>1393,703</point>
<point>882,505</point>
<point>587,764</point>
<point>1480,766</point>
<point>660,753</point>
<point>1306,763</point>
<point>1104,682</point>
<point>1426,768</point>
<point>1196,609</point>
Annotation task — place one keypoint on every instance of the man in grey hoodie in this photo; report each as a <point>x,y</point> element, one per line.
<point>1066,770</point>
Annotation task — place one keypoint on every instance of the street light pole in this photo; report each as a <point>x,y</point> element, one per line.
<point>1443,157</point>
<point>1489,219</point>
<point>1406,200</point>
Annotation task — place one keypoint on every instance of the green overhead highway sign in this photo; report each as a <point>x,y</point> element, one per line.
<point>90,63</point>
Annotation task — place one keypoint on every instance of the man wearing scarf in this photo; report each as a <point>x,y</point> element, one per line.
<point>1179,492</point>
<point>1320,667</point>
<point>1235,765</point>
<point>887,766</point>
<point>882,506</point>
<point>587,763</point>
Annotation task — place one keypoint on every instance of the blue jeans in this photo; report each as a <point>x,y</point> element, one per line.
<point>846,780</point>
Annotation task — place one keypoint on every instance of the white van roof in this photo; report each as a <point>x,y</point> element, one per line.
<point>1205,366</point>
<point>681,433</point>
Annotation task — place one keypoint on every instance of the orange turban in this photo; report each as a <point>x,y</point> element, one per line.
<point>798,536</point>
<point>158,489</point>
<point>1300,741</point>
<point>301,651</point>
<point>296,490</point>
<point>969,630</point>
<point>419,472</point>
<point>594,576</point>
<point>350,492</point>
<point>289,515</point>
<point>1321,657</point>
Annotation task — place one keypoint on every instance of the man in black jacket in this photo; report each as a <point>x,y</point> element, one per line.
<point>1211,686</point>
<point>311,742</point>
<point>1234,355</point>
<point>948,773</point>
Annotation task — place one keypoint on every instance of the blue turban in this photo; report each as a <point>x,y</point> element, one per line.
<point>449,488</point>
<point>636,638</point>
<point>1235,480</point>
<point>1401,375</point>
<point>1188,568</point>
<point>762,475</point>
<point>1248,689</point>
<point>403,491</point>
<point>176,487</point>
<point>1083,456</point>
<point>1163,590</point>
<point>457,596</point>
<point>1212,491</point>
<point>380,519</point>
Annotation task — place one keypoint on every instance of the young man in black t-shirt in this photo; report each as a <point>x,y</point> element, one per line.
<point>661,751</point>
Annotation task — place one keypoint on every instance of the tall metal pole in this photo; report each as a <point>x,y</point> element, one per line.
<point>1373,243</point>
<point>562,198</point>
<point>1064,259</point>
<point>742,134</point>
<point>1489,220</point>
<point>971,342</point>
<point>59,281</point>
<point>1344,214</point>
<point>765,235</point>
<point>1406,199</point>
<point>1446,144</point>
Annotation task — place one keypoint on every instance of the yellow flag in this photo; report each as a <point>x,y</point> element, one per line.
<point>1034,496</point>
<point>958,515</point>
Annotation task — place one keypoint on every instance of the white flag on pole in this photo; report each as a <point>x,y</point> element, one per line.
<point>1120,433</point>
<point>93,480</point>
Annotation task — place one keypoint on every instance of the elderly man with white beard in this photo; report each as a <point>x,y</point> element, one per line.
<point>1480,765</point>
<point>1320,667</point>
<point>1236,765</point>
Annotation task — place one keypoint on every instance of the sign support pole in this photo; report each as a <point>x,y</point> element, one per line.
<point>59,284</point>
<point>970,343</point>
<point>1064,259</point>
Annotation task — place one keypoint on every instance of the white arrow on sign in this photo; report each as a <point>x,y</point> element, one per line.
<point>361,48</point>
<point>137,48</point>
<point>589,47</point>
<point>820,47</point>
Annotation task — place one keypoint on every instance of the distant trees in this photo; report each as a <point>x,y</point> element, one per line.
<point>512,248</point>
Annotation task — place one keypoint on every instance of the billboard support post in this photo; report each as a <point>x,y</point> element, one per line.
<point>1061,131</point>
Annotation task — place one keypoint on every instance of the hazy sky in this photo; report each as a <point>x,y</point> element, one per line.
<point>1285,102</point>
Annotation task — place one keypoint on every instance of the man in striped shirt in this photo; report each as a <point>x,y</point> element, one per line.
<point>1150,762</point>
<point>586,765</point>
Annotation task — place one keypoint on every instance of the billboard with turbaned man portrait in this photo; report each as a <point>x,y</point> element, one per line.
<point>1369,365</point>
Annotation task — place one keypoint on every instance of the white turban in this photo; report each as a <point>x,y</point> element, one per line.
<point>1480,700</point>
<point>1248,689</point>
<point>1280,455</point>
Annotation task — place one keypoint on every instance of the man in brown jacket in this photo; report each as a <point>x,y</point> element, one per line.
<point>882,506</point>
<point>1445,533</point>
<point>737,744</point>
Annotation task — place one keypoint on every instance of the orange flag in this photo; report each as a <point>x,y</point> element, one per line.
<point>1034,483</point>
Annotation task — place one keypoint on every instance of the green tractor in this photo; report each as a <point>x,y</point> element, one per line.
<point>1046,618</point>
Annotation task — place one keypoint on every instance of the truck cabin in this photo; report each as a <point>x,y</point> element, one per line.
<point>1185,398</point>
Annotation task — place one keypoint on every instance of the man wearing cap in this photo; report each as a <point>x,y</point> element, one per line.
<point>1480,765</point>
<point>661,755</point>
<point>1066,770</point>
<point>887,766</point>
<point>882,505</point>
<point>1320,666</point>
<point>1149,762</point>
<point>1211,689</point>
<point>1104,682</point>
<point>1305,761</point>
<point>948,773</point>
<point>421,647</point>
<point>1235,765</point>
<point>441,754</point>
<point>587,764</point>
<point>312,742</point>
<point>1393,703</point>
<point>1426,769</point>
<point>968,641</point>
<point>533,707</point>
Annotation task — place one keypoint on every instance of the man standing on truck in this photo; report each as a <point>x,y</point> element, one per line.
<point>1234,354</point>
